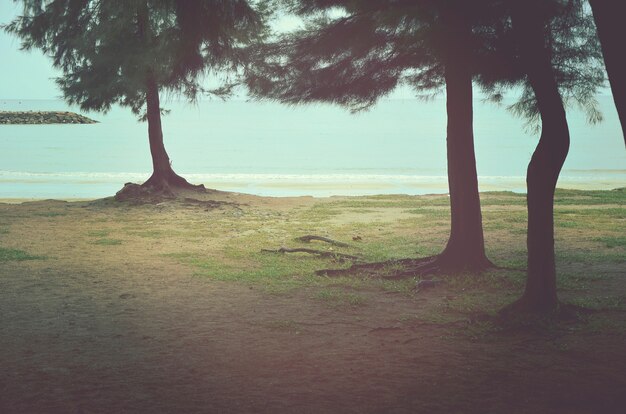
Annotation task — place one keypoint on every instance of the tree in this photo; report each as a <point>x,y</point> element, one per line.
<point>353,52</point>
<point>557,56</point>
<point>609,18</point>
<point>126,51</point>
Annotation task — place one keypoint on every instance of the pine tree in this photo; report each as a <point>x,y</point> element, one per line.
<point>609,18</point>
<point>125,52</point>
<point>353,52</point>
<point>554,53</point>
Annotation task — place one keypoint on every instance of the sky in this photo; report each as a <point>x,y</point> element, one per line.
<point>25,75</point>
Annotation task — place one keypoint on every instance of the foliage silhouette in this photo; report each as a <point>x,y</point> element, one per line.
<point>126,52</point>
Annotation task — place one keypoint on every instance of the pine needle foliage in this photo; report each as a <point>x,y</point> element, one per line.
<point>353,52</point>
<point>107,48</point>
<point>575,53</point>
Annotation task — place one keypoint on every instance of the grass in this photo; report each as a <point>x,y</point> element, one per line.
<point>98,233</point>
<point>150,234</point>
<point>616,302</point>
<point>612,242</point>
<point>589,237</point>
<point>7,255</point>
<point>51,214</point>
<point>579,197</point>
<point>107,242</point>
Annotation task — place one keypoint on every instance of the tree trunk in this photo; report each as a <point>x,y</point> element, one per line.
<point>163,177</point>
<point>609,18</point>
<point>547,160</point>
<point>466,247</point>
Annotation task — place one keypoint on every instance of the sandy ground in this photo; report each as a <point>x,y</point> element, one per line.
<point>95,329</point>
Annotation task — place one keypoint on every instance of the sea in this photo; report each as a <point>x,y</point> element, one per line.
<point>269,149</point>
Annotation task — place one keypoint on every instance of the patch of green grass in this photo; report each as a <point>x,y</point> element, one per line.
<point>7,255</point>
<point>272,271</point>
<point>588,256</point>
<point>580,197</point>
<point>4,230</point>
<point>502,198</point>
<point>98,233</point>
<point>108,242</point>
<point>602,303</point>
<point>338,297</point>
<point>390,248</point>
<point>51,214</point>
<point>612,242</point>
<point>150,234</point>
<point>430,212</point>
<point>319,212</point>
<point>597,213</point>
<point>568,224</point>
<point>405,286</point>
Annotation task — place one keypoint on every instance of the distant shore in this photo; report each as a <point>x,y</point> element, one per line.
<point>42,117</point>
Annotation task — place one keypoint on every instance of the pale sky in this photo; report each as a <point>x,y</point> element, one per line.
<point>25,75</point>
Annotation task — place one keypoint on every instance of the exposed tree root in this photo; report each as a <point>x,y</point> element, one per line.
<point>320,253</point>
<point>405,268</point>
<point>158,188</point>
<point>310,237</point>
<point>169,182</point>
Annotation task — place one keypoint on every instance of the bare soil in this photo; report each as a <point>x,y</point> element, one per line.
<point>96,328</point>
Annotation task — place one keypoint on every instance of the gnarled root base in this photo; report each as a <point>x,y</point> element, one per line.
<point>406,268</point>
<point>157,188</point>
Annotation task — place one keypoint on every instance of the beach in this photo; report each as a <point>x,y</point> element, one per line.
<point>174,307</point>
<point>268,149</point>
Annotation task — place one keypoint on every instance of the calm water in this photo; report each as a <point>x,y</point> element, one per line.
<point>270,149</point>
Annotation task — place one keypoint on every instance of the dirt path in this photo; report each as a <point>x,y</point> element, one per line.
<point>91,332</point>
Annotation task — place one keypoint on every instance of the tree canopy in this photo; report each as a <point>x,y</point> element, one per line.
<point>125,51</point>
<point>106,48</point>
<point>353,52</point>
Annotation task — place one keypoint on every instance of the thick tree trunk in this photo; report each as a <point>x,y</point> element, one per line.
<point>547,160</point>
<point>163,176</point>
<point>466,247</point>
<point>609,18</point>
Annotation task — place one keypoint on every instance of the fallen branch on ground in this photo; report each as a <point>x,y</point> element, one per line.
<point>321,253</point>
<point>405,268</point>
<point>310,237</point>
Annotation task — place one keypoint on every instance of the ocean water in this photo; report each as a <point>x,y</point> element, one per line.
<point>397,147</point>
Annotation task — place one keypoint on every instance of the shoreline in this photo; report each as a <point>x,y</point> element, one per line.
<point>21,200</point>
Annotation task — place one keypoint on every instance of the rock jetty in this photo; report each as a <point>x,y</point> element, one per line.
<point>37,117</point>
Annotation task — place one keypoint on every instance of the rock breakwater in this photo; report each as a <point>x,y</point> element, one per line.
<point>39,117</point>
